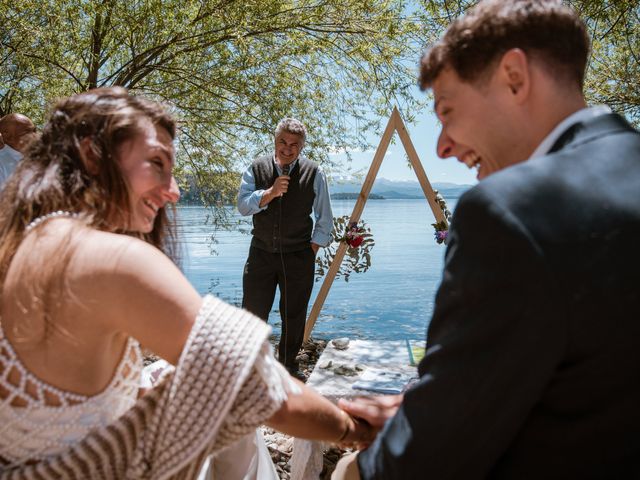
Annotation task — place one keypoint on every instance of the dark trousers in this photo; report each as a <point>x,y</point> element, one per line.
<point>293,273</point>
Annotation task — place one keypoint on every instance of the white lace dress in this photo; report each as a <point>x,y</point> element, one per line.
<point>38,420</point>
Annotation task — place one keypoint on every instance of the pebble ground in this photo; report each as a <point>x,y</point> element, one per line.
<point>281,445</point>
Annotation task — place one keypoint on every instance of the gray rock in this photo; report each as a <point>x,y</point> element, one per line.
<point>325,365</point>
<point>345,370</point>
<point>340,343</point>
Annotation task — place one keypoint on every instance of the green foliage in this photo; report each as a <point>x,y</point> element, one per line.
<point>442,203</point>
<point>613,77</point>
<point>613,72</point>
<point>231,69</point>
<point>356,260</point>
<point>228,69</point>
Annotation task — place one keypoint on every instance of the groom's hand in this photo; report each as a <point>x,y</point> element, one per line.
<point>374,410</point>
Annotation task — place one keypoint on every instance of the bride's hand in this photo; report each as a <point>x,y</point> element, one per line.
<point>374,410</point>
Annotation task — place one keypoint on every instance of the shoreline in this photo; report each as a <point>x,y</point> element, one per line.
<point>279,444</point>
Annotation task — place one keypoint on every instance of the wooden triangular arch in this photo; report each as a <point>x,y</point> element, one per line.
<point>395,124</point>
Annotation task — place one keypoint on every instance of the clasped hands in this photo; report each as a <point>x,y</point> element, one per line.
<point>369,415</point>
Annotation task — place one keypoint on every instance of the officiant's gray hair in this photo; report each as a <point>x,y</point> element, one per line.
<point>292,125</point>
<point>546,30</point>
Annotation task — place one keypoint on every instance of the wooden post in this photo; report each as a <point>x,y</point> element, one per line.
<point>355,216</point>
<point>395,124</point>
<point>417,167</point>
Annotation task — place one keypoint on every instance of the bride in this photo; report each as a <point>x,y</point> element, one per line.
<point>86,276</point>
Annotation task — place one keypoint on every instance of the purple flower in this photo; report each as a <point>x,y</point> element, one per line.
<point>441,235</point>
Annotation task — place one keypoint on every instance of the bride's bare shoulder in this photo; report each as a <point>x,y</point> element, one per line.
<point>125,283</point>
<point>137,289</point>
<point>82,252</point>
<point>113,250</point>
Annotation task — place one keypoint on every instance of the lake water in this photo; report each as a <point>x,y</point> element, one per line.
<point>393,300</point>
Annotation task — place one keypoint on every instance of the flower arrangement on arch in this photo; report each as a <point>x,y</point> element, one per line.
<point>355,235</point>
<point>359,240</point>
<point>441,234</point>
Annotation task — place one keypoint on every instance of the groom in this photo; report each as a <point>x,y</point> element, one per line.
<point>532,367</point>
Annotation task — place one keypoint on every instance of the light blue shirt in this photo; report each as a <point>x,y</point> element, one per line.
<point>249,202</point>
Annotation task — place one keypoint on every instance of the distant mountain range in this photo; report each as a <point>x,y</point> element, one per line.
<point>338,188</point>
<point>397,188</point>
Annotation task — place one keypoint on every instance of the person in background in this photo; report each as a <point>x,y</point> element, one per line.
<point>16,130</point>
<point>532,366</point>
<point>281,191</point>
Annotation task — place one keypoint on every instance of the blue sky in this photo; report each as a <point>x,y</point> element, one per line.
<point>424,135</point>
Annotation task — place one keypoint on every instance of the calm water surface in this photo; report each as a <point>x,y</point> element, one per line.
<point>392,300</point>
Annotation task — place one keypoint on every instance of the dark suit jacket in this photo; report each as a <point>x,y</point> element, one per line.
<point>533,353</point>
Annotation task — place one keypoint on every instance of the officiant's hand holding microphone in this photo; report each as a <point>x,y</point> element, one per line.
<point>284,178</point>
<point>279,187</point>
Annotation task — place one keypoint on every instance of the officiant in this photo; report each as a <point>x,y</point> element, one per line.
<point>282,191</point>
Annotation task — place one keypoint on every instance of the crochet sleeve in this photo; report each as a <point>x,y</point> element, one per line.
<point>262,394</point>
<point>226,384</point>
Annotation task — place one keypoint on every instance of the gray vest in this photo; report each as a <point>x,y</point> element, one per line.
<point>286,224</point>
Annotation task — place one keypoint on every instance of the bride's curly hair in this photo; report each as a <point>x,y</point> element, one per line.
<point>54,173</point>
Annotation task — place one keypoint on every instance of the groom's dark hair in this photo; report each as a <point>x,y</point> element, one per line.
<point>546,30</point>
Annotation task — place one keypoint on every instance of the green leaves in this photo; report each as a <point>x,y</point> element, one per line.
<point>357,258</point>
<point>613,71</point>
<point>613,75</point>
<point>229,69</point>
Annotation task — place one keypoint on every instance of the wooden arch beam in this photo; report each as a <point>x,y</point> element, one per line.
<point>395,124</point>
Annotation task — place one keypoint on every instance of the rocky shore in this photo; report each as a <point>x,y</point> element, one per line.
<point>281,445</point>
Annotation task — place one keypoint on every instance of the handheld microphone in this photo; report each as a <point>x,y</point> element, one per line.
<point>285,171</point>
